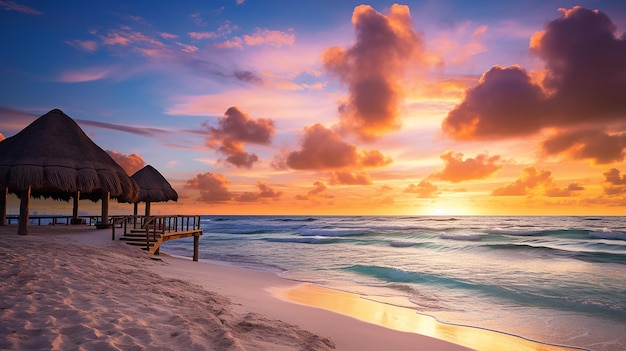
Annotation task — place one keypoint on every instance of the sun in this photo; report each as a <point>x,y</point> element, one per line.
<point>439,211</point>
<point>447,210</point>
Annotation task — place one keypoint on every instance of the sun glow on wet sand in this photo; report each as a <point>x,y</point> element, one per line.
<point>408,320</point>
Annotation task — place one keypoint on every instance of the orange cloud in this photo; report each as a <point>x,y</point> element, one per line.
<point>319,190</point>
<point>584,84</point>
<point>323,149</point>
<point>564,192</point>
<point>235,129</point>
<point>2,137</point>
<point>373,69</point>
<point>614,183</point>
<point>265,192</point>
<point>130,163</point>
<point>457,170</point>
<point>424,189</point>
<point>350,178</point>
<point>531,178</point>
<point>212,187</point>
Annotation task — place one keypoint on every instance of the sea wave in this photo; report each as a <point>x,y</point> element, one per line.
<point>300,240</point>
<point>553,297</point>
<point>332,232</point>
<point>588,256</point>
<point>515,232</point>
<point>462,236</point>
<point>608,235</point>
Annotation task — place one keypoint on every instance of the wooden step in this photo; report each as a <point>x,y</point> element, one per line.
<point>138,235</point>
<point>140,244</point>
<point>135,240</point>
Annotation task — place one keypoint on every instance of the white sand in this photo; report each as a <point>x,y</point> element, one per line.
<point>73,288</point>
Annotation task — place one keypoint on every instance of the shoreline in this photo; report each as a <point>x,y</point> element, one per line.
<point>392,317</point>
<point>70,287</point>
<point>261,301</point>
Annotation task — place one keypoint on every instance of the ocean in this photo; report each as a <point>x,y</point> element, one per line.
<point>557,280</point>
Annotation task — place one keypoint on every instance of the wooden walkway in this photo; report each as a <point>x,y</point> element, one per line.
<point>151,232</point>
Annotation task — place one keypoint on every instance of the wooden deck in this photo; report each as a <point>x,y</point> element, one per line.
<point>152,232</point>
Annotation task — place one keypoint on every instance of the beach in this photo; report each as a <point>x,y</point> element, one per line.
<point>73,288</point>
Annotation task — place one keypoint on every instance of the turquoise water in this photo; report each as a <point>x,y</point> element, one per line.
<point>558,280</point>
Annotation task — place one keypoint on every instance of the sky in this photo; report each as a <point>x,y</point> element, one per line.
<point>444,107</point>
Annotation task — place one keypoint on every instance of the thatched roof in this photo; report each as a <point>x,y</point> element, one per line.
<point>57,159</point>
<point>153,187</point>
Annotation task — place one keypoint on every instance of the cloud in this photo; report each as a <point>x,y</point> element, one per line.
<point>138,42</point>
<point>11,6</point>
<point>424,189</point>
<point>166,35</point>
<point>12,119</point>
<point>203,35</point>
<point>212,187</point>
<point>505,103</point>
<point>143,131</point>
<point>591,144</point>
<point>235,129</point>
<point>248,77</point>
<point>614,183</point>
<point>530,178</point>
<point>261,36</point>
<point>564,192</point>
<point>318,191</point>
<point>85,45</point>
<point>2,137</point>
<point>86,75</point>
<point>130,163</point>
<point>323,149</point>
<point>264,192</point>
<point>457,170</point>
<point>459,44</point>
<point>350,178</point>
<point>373,68</point>
<point>584,83</point>
<point>273,38</point>
<point>234,43</point>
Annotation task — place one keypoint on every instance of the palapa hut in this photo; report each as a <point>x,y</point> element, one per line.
<point>153,187</point>
<point>52,157</point>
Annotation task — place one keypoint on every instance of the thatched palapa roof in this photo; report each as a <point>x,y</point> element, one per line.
<point>57,159</point>
<point>153,187</point>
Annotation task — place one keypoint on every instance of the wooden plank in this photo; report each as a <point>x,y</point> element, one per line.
<point>182,234</point>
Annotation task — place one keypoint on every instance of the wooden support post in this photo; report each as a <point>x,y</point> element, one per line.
<point>147,213</point>
<point>3,206</point>
<point>75,208</point>
<point>135,216</point>
<point>196,245</point>
<point>104,221</point>
<point>22,226</point>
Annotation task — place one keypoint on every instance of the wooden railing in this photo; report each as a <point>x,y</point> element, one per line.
<point>167,223</point>
<point>159,228</point>
<point>54,219</point>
